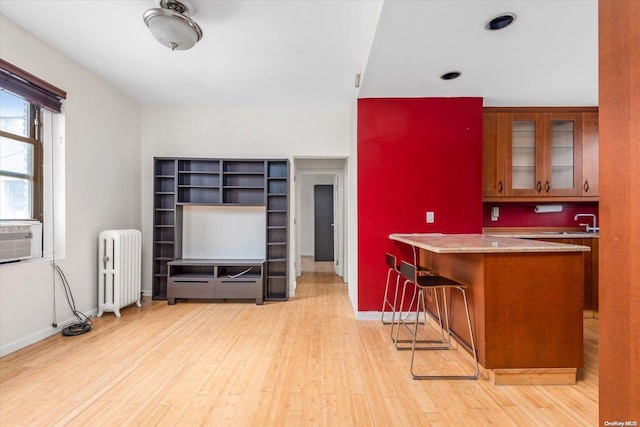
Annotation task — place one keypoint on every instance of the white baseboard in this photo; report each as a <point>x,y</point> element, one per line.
<point>39,336</point>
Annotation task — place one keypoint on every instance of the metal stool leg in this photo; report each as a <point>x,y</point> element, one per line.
<point>472,348</point>
<point>385,301</point>
<point>414,331</point>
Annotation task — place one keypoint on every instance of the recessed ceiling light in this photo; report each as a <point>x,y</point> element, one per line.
<point>451,75</point>
<point>501,21</point>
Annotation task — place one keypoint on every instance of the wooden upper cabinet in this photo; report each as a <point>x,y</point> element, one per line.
<point>533,153</point>
<point>590,155</point>
<point>493,155</point>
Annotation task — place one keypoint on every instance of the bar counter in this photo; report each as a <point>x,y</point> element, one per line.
<point>480,244</point>
<point>526,302</point>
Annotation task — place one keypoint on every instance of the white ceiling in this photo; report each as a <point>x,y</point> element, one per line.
<point>307,53</point>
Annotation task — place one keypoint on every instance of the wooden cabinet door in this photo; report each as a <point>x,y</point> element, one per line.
<point>561,164</point>
<point>595,272</point>
<point>524,171</point>
<point>590,296</point>
<point>493,155</point>
<point>590,155</point>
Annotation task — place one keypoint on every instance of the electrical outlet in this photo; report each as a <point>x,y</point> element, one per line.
<point>430,217</point>
<point>495,213</point>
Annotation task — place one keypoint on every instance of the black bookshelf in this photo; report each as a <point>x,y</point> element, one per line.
<point>180,182</point>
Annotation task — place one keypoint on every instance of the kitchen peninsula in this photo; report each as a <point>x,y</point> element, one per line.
<point>526,302</point>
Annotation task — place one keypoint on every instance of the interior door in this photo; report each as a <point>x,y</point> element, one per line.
<point>323,222</point>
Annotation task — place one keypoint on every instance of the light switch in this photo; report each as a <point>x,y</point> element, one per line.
<point>430,217</point>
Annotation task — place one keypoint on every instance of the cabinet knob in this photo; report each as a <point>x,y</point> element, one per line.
<point>586,186</point>
<point>547,186</point>
<point>539,186</point>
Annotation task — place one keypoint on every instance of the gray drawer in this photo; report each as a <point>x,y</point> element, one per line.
<point>238,288</point>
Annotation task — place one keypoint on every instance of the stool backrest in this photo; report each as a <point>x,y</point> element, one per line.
<point>408,271</point>
<point>391,261</point>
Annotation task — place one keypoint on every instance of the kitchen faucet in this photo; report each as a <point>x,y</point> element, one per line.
<point>594,229</point>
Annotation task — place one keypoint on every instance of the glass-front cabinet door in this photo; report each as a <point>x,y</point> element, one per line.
<point>523,162</point>
<point>544,158</point>
<point>563,155</point>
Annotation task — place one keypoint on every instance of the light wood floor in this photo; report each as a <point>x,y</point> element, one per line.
<point>304,362</point>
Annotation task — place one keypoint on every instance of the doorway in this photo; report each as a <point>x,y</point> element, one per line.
<point>329,174</point>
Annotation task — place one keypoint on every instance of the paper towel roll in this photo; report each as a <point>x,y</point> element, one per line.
<point>547,208</point>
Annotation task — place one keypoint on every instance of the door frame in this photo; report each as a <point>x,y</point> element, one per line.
<point>323,166</point>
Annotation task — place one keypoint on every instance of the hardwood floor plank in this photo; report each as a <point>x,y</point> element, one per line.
<point>306,361</point>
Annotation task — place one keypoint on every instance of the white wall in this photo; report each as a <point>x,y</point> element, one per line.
<point>109,144</point>
<point>102,189</point>
<point>224,232</point>
<point>237,132</point>
<point>351,208</point>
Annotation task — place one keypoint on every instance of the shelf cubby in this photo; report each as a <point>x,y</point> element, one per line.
<point>243,166</point>
<point>243,196</point>
<point>198,195</point>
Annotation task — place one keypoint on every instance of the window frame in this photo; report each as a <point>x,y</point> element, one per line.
<point>40,95</point>
<point>36,178</point>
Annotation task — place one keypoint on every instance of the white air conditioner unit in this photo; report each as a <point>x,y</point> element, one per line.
<point>20,240</point>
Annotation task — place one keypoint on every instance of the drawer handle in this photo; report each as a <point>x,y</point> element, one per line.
<point>586,186</point>
<point>190,281</point>
<point>238,281</point>
<point>499,186</point>
<point>539,186</point>
<point>547,186</point>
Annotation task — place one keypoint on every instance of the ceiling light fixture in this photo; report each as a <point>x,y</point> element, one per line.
<point>171,26</point>
<point>501,21</point>
<point>451,75</point>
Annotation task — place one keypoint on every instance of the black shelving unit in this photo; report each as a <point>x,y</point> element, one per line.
<point>221,182</point>
<point>165,219</point>
<point>277,229</point>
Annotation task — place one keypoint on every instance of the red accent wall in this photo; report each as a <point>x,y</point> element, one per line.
<point>414,155</point>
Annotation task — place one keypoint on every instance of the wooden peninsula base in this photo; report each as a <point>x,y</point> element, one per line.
<point>526,302</point>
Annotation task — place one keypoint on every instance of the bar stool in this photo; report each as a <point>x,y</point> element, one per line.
<point>391,261</point>
<point>420,272</point>
<point>435,282</point>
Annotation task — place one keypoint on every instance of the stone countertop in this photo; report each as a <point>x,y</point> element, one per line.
<point>481,243</point>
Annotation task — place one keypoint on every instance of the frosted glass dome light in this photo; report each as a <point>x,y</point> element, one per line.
<point>171,26</point>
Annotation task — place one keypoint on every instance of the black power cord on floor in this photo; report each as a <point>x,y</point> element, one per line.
<point>84,323</point>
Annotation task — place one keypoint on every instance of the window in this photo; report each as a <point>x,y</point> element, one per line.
<point>20,159</point>
<point>23,97</point>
